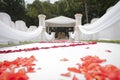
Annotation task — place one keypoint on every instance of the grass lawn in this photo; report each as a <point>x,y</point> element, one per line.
<point>106,41</point>
<point>30,42</point>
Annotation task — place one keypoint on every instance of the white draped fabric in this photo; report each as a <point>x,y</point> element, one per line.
<point>9,34</point>
<point>110,18</point>
<point>76,35</point>
<point>105,28</point>
<point>94,20</point>
<point>44,36</point>
<point>32,28</point>
<point>13,34</point>
<point>94,36</point>
<point>5,18</point>
<point>20,25</point>
<point>110,33</point>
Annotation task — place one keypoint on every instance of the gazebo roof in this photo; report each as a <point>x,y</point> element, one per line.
<point>60,21</point>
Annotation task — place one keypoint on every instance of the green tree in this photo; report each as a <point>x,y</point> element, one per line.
<point>96,8</point>
<point>2,6</point>
<point>15,8</point>
<point>39,7</point>
<point>88,8</point>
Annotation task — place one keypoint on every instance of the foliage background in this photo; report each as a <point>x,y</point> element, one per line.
<point>19,10</point>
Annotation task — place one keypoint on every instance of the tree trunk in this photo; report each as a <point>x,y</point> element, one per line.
<point>86,11</point>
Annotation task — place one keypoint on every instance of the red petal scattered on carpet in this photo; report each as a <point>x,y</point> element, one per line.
<point>7,68</point>
<point>87,48</point>
<point>39,68</point>
<point>37,48</point>
<point>68,74</point>
<point>92,69</point>
<point>109,51</point>
<point>64,59</point>
<point>75,78</point>
<point>73,69</point>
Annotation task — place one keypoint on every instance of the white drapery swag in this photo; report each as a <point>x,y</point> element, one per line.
<point>10,34</point>
<point>13,34</point>
<point>110,19</point>
<point>105,28</point>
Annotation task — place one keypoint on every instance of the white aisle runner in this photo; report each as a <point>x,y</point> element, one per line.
<point>49,59</point>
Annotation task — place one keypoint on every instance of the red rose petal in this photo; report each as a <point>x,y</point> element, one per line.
<point>39,68</point>
<point>30,69</point>
<point>75,78</point>
<point>68,74</point>
<point>109,51</point>
<point>92,69</point>
<point>64,59</point>
<point>87,48</point>
<point>73,69</point>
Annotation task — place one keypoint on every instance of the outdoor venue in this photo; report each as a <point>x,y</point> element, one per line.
<point>61,48</point>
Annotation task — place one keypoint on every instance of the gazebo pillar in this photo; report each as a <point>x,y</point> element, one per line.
<point>77,33</point>
<point>78,18</point>
<point>41,18</point>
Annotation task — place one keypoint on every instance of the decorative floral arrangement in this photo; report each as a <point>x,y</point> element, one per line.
<point>37,48</point>
<point>16,69</point>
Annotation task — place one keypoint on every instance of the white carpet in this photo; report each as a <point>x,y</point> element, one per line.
<point>49,59</point>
